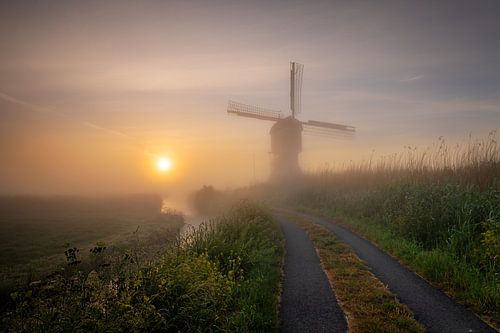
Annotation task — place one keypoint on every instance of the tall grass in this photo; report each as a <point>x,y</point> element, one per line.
<point>438,209</point>
<point>222,278</point>
<point>475,162</point>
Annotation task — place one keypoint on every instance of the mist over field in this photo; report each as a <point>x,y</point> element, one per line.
<point>91,94</point>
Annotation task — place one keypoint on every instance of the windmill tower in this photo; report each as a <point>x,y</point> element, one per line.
<point>286,132</point>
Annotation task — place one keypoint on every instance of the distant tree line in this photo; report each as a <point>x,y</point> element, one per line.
<point>208,200</point>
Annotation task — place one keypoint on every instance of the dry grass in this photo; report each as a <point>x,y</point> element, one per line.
<point>368,304</point>
<point>476,162</point>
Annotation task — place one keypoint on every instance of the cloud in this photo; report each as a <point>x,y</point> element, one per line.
<point>412,78</point>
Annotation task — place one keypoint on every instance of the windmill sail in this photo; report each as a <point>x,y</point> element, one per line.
<point>321,128</point>
<point>251,111</point>
<point>326,132</point>
<point>296,71</point>
<point>333,126</point>
<point>286,132</point>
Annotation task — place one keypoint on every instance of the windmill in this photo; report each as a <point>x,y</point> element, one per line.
<point>286,132</point>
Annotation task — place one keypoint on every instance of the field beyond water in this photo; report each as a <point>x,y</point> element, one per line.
<point>437,211</point>
<point>223,277</point>
<point>35,232</point>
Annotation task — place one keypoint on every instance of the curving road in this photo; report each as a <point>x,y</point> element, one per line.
<point>434,309</point>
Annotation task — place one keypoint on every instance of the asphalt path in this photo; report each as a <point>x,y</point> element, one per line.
<point>308,303</point>
<point>434,309</point>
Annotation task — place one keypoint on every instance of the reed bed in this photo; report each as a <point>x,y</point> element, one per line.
<point>476,162</point>
<point>437,209</point>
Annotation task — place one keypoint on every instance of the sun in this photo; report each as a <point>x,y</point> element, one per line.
<point>163,164</point>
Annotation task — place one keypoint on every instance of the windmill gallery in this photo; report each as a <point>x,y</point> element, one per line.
<point>286,132</point>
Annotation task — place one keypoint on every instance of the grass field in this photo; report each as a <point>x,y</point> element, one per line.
<point>36,231</point>
<point>36,227</point>
<point>224,277</point>
<point>438,211</point>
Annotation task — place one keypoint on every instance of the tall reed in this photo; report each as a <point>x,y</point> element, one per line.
<point>443,200</point>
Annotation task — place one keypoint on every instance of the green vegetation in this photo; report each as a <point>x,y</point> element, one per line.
<point>438,211</point>
<point>370,307</point>
<point>37,227</point>
<point>34,232</point>
<point>224,277</point>
<point>209,201</point>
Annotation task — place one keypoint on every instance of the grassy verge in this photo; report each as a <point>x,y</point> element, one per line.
<point>437,210</point>
<point>468,284</point>
<point>369,305</point>
<point>223,278</point>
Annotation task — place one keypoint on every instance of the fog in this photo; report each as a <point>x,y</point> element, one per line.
<point>91,94</point>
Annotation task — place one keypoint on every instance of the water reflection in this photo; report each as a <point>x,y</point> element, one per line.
<point>191,218</point>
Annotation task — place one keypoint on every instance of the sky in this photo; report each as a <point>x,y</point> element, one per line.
<point>92,92</point>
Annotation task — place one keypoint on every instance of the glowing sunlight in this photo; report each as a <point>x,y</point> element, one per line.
<point>163,164</point>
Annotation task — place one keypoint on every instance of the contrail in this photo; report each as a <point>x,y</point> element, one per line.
<point>45,110</point>
<point>105,129</point>
<point>32,107</point>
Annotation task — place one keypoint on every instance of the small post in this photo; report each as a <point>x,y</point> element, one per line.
<point>254,179</point>
<point>292,88</point>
